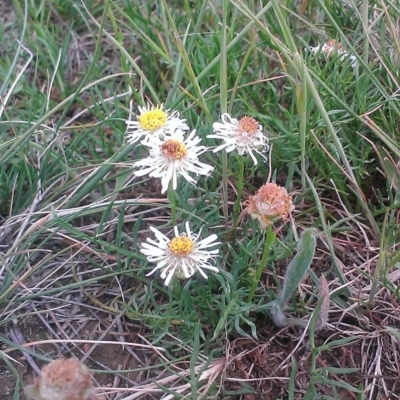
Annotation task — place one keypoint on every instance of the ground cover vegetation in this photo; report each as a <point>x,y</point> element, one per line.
<point>199,199</point>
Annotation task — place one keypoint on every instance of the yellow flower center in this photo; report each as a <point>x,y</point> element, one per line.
<point>173,149</point>
<point>181,246</point>
<point>248,125</point>
<point>153,119</point>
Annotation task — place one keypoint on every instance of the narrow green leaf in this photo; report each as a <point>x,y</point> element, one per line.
<point>337,343</point>
<point>343,385</point>
<point>337,370</point>
<point>292,384</point>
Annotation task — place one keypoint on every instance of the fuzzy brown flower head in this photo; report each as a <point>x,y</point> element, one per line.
<point>62,379</point>
<point>247,128</point>
<point>269,204</point>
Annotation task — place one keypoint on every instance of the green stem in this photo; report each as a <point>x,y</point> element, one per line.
<point>176,289</point>
<point>269,240</point>
<point>364,10</point>
<point>224,104</point>
<point>224,162</point>
<point>172,203</point>
<point>114,25</point>
<point>240,184</point>
<point>302,100</point>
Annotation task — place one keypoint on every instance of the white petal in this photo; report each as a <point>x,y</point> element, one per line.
<point>152,271</point>
<point>188,232</point>
<point>158,233</point>
<point>253,157</point>
<point>174,179</point>
<point>221,147</point>
<point>227,119</point>
<point>185,269</point>
<point>192,135</point>
<point>165,179</point>
<point>169,277</point>
<point>205,242</point>
<point>187,177</point>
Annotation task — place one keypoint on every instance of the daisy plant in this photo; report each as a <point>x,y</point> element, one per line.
<point>181,256</point>
<point>172,157</point>
<point>269,204</point>
<point>172,153</point>
<point>246,137</point>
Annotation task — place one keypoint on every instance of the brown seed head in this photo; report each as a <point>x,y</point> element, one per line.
<point>248,125</point>
<point>269,204</point>
<point>64,379</point>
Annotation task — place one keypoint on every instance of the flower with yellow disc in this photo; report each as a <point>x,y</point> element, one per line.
<point>152,123</point>
<point>181,256</point>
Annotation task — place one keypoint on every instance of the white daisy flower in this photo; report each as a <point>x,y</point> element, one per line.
<point>331,48</point>
<point>182,256</point>
<point>172,157</point>
<point>153,123</point>
<point>244,135</point>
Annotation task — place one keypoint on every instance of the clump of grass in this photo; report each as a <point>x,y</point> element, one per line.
<point>77,202</point>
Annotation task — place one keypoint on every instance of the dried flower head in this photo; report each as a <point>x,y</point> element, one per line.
<point>244,135</point>
<point>62,379</point>
<point>269,204</point>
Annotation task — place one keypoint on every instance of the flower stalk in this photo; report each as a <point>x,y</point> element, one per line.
<point>269,241</point>
<point>239,184</point>
<point>172,203</point>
